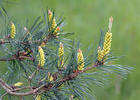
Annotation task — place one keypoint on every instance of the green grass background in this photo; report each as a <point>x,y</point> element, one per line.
<point>86,18</point>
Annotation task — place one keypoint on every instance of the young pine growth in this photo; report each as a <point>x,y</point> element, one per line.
<point>13,31</point>
<point>18,84</point>
<point>50,77</point>
<point>50,14</point>
<point>43,44</point>
<point>107,42</point>
<point>53,23</point>
<point>80,60</point>
<point>100,54</point>
<point>41,57</point>
<point>61,55</point>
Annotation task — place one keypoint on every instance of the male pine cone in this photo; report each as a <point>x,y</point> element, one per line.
<point>80,60</point>
<point>61,55</point>
<point>18,84</point>
<point>13,31</point>
<point>52,20</point>
<point>107,42</point>
<point>41,57</point>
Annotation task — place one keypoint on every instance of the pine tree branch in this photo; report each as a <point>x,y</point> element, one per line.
<point>41,88</point>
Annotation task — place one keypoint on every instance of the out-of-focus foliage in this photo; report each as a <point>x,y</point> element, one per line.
<point>86,18</point>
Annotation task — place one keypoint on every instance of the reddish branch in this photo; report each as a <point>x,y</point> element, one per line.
<point>42,88</point>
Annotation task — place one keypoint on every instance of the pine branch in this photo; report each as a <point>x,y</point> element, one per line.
<point>43,88</point>
<point>53,70</point>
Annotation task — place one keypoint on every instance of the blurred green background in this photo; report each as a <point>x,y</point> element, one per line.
<point>86,18</point>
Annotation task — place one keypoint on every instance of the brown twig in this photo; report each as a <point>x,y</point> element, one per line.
<point>17,58</point>
<point>1,98</point>
<point>42,87</point>
<point>22,88</point>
